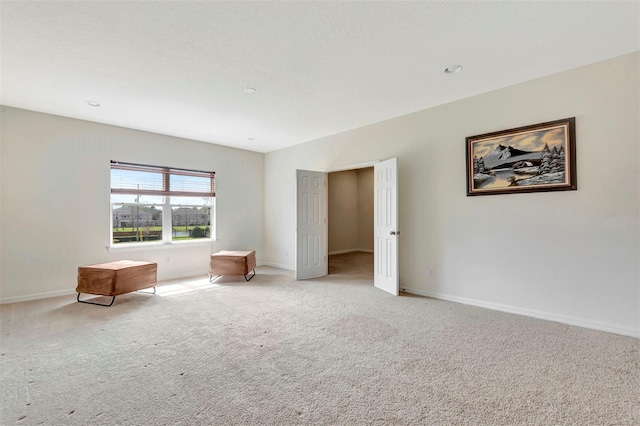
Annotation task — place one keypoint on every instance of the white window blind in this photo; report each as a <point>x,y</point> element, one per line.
<point>138,179</point>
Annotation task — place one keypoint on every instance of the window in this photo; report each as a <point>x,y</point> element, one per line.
<point>150,203</point>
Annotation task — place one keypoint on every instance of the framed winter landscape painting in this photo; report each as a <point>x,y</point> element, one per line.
<point>540,157</point>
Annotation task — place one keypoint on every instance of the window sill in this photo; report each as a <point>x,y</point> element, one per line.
<point>158,245</point>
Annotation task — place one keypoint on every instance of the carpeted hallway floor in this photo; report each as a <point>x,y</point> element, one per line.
<point>352,265</point>
<point>274,351</point>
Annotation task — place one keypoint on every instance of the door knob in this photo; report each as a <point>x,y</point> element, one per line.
<point>394,233</point>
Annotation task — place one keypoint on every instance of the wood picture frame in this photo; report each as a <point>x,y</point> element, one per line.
<point>536,158</point>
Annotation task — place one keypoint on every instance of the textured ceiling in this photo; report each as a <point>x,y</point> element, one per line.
<point>181,68</point>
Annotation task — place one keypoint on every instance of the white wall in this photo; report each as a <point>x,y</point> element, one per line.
<point>55,199</point>
<point>555,255</point>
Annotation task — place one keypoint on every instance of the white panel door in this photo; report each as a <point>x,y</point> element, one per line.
<point>385,233</point>
<point>311,225</point>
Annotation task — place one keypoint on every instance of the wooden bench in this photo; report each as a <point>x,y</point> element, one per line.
<point>116,278</point>
<point>232,262</point>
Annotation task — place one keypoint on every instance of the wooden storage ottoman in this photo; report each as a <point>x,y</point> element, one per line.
<point>115,278</point>
<point>232,262</point>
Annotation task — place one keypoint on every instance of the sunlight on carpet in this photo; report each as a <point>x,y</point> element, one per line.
<point>185,287</point>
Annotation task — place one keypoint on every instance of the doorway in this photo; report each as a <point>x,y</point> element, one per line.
<point>350,220</point>
<point>311,242</point>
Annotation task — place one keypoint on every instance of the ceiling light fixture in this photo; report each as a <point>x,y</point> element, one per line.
<point>452,69</point>
<point>92,103</point>
<point>250,90</point>
<point>252,139</point>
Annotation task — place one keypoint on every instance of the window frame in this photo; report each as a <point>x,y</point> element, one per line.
<point>166,205</point>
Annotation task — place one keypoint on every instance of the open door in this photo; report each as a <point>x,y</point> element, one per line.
<point>311,225</point>
<point>385,233</point>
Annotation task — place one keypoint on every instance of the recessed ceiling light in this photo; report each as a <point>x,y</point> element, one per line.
<point>452,69</point>
<point>92,103</point>
<point>252,139</point>
<point>250,90</point>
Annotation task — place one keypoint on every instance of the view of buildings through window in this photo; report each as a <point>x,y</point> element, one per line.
<point>151,203</point>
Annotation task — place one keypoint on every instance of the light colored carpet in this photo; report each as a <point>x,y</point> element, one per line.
<point>329,351</point>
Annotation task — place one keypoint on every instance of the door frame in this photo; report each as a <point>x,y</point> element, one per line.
<point>355,166</point>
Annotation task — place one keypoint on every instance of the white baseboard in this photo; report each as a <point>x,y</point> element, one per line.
<point>350,251</point>
<point>565,319</point>
<point>37,296</point>
<point>278,265</point>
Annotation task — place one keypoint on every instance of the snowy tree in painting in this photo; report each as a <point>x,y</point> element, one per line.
<point>545,164</point>
<point>481,168</point>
